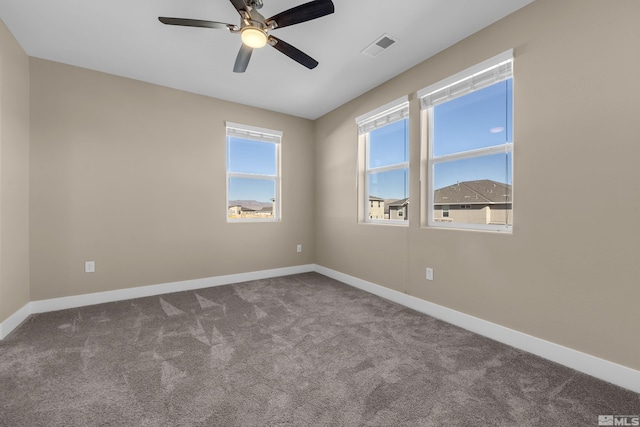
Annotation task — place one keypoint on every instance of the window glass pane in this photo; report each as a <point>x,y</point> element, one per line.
<point>256,197</point>
<point>477,120</point>
<point>388,185</point>
<point>495,167</point>
<point>388,145</point>
<point>247,156</point>
<point>474,191</point>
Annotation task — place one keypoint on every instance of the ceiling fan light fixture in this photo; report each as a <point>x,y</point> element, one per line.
<point>254,37</point>
<point>254,29</point>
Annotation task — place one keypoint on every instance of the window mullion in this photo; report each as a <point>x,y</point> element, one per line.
<point>496,149</point>
<point>251,176</point>
<point>395,166</point>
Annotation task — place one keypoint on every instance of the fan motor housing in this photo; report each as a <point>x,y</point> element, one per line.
<point>255,4</point>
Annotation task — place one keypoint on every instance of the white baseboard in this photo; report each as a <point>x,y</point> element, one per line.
<point>600,368</point>
<point>14,320</point>
<point>603,369</point>
<point>63,303</point>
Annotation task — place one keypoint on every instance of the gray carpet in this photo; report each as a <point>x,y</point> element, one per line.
<point>301,350</point>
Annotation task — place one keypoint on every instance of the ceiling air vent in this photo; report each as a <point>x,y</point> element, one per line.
<point>379,46</point>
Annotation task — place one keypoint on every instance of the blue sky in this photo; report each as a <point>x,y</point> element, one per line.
<point>478,120</point>
<point>384,150</point>
<point>247,156</point>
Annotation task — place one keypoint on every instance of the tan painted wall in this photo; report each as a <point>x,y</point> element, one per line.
<point>132,176</point>
<point>14,175</point>
<point>571,278</point>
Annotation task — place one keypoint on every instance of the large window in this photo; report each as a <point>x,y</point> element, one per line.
<point>467,145</point>
<point>383,145</point>
<point>253,173</point>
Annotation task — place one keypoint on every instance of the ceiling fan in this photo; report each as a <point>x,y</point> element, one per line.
<point>254,28</point>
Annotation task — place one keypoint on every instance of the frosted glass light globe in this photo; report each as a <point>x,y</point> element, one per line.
<point>254,37</point>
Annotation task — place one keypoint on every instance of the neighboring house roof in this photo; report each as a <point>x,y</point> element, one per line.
<point>243,209</point>
<point>376,199</point>
<point>484,191</point>
<point>399,203</point>
<point>396,204</point>
<point>246,209</point>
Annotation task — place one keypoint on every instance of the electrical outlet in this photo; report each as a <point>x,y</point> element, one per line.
<point>90,267</point>
<point>429,273</point>
<point>299,248</point>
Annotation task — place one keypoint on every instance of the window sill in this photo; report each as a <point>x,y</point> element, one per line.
<point>249,221</point>
<point>395,223</point>
<point>462,227</point>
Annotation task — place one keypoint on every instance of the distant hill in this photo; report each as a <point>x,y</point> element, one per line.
<point>250,204</point>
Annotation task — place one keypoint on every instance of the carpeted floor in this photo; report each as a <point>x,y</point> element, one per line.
<point>301,350</point>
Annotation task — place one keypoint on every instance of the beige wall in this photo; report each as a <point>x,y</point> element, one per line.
<point>571,278</point>
<point>14,175</point>
<point>132,176</point>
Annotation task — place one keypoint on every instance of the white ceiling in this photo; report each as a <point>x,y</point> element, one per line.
<point>125,38</point>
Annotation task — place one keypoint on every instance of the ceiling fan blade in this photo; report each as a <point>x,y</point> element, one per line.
<point>293,53</point>
<point>242,60</point>
<point>194,23</point>
<point>304,12</point>
<point>239,5</point>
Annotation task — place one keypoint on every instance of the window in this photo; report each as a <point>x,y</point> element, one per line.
<point>253,173</point>
<point>383,162</point>
<point>467,147</point>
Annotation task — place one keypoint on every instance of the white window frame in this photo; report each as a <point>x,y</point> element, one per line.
<point>387,114</point>
<point>254,133</point>
<point>493,70</point>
